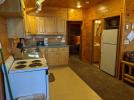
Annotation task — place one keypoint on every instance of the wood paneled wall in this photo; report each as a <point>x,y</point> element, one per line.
<point>5,49</point>
<point>51,12</point>
<point>129,20</point>
<point>4,37</point>
<point>74,15</point>
<point>105,9</point>
<point>64,13</point>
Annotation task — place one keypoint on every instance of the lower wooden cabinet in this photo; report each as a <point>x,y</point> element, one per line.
<point>56,56</point>
<point>63,57</point>
<point>52,58</point>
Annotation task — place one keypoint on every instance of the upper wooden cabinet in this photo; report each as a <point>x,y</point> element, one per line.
<point>45,25</point>
<point>31,25</point>
<point>61,26</point>
<point>11,8</point>
<point>40,25</point>
<point>50,23</point>
<point>15,27</point>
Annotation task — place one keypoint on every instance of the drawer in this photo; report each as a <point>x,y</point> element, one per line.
<point>64,49</point>
<point>52,49</point>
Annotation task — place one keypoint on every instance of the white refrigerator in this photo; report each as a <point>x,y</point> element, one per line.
<point>108,51</point>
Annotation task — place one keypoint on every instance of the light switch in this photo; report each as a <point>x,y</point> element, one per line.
<point>127,27</point>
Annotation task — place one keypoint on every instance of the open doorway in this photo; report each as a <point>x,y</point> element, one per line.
<point>97,31</point>
<point>74,37</point>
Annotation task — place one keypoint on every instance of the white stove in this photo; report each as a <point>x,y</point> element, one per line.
<point>27,77</point>
<point>28,65</point>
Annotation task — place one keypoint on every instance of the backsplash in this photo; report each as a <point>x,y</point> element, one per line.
<point>43,40</point>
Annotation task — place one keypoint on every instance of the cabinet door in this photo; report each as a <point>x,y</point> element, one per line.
<point>50,24</point>
<point>27,24</point>
<point>40,25</point>
<point>52,58</point>
<point>11,6</point>
<point>15,27</point>
<point>63,58</point>
<point>31,25</point>
<point>61,26</point>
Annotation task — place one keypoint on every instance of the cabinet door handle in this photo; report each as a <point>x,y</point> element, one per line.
<point>46,71</point>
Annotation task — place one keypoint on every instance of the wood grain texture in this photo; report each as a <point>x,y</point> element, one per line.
<point>99,11</point>
<point>62,3</point>
<point>63,13</point>
<point>11,8</point>
<point>5,48</point>
<point>74,15</point>
<point>129,20</point>
<point>4,37</point>
<point>49,12</point>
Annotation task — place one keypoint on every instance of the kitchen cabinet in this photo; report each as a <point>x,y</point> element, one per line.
<point>11,8</point>
<point>63,56</point>
<point>61,26</point>
<point>41,29</point>
<point>31,25</point>
<point>50,23</point>
<point>15,27</point>
<point>45,25</point>
<point>52,58</point>
<point>56,55</point>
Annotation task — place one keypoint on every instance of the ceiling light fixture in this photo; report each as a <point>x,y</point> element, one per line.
<point>87,2</point>
<point>39,2</point>
<point>72,10</point>
<point>39,9</point>
<point>39,5</point>
<point>78,4</point>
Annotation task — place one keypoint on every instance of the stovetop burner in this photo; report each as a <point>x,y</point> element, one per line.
<point>21,62</point>
<point>35,64</point>
<point>36,61</point>
<point>20,66</point>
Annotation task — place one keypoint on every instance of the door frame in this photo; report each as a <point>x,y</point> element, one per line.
<point>68,35</point>
<point>93,22</point>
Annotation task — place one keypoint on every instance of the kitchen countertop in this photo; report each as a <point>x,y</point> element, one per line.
<point>50,45</point>
<point>27,55</point>
<point>54,46</point>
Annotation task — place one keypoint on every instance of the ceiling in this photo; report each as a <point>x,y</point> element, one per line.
<point>63,3</point>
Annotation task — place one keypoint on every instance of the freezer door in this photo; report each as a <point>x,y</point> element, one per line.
<point>110,36</point>
<point>108,58</point>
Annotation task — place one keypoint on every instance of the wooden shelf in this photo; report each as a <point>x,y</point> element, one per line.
<point>127,76</point>
<point>129,80</point>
